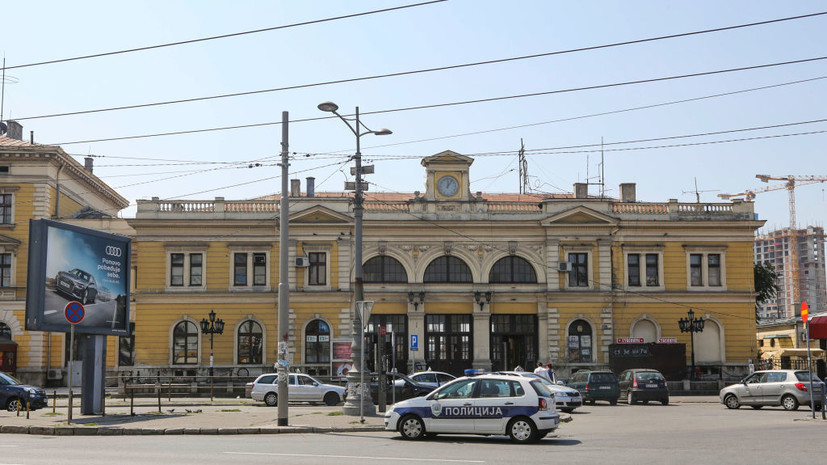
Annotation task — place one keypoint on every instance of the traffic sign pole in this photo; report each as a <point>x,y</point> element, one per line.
<point>74,314</point>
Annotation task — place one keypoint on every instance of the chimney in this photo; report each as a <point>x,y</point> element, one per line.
<point>295,188</point>
<point>311,186</point>
<point>15,130</point>
<point>581,190</point>
<point>87,163</point>
<point>627,192</point>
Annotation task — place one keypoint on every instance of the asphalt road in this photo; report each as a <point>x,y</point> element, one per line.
<point>641,434</point>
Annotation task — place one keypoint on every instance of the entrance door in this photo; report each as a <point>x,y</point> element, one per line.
<point>513,342</point>
<point>448,343</point>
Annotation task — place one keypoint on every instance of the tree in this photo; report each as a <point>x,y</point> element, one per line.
<point>766,288</point>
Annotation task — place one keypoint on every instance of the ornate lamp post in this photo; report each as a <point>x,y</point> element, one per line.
<point>212,327</point>
<point>482,298</point>
<point>355,386</point>
<point>416,299</point>
<point>691,325</point>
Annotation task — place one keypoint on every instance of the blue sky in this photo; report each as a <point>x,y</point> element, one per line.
<point>436,35</point>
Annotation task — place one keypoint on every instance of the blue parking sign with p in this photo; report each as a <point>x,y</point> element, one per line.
<point>414,341</point>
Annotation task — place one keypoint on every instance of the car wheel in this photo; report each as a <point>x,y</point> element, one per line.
<point>591,402</point>
<point>630,398</point>
<point>11,405</point>
<point>271,399</point>
<point>411,427</point>
<point>789,402</point>
<point>613,402</point>
<point>331,398</point>
<point>84,299</point>
<point>567,410</point>
<point>522,430</point>
<point>756,407</point>
<point>731,401</point>
<point>665,401</point>
<point>645,402</point>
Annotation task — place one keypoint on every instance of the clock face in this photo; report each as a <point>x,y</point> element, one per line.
<point>447,185</point>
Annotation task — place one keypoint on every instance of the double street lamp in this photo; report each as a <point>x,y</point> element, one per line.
<point>212,327</point>
<point>355,402</point>
<point>691,325</point>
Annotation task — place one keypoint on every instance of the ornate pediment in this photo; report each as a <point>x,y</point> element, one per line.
<point>319,214</point>
<point>447,157</point>
<point>580,216</point>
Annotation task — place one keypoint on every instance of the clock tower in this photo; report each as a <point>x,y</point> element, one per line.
<point>447,176</point>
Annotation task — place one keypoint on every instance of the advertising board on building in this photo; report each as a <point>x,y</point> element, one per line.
<point>72,264</point>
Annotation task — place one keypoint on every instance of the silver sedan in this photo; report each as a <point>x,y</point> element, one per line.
<point>787,388</point>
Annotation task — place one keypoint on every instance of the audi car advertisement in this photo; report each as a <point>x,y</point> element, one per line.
<point>68,263</point>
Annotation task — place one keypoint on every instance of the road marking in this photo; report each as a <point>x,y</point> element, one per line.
<point>362,457</point>
<point>49,312</point>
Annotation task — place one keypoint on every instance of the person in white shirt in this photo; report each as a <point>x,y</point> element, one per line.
<point>541,371</point>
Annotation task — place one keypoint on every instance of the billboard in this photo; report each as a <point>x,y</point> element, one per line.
<point>72,264</point>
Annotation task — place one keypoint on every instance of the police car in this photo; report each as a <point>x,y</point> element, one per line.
<point>522,408</point>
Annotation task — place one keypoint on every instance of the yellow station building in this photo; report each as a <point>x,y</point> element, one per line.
<point>481,280</point>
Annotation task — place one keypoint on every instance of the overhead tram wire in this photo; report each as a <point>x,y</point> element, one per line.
<point>465,102</point>
<point>222,36</point>
<point>420,71</point>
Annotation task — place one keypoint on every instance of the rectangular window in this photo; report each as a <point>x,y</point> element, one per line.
<point>259,269</point>
<point>176,269</point>
<point>579,276</point>
<point>652,269</point>
<point>196,269</point>
<point>695,270</point>
<point>5,208</point>
<point>318,269</point>
<point>240,269</point>
<point>714,265</point>
<point>633,269</point>
<point>5,269</point>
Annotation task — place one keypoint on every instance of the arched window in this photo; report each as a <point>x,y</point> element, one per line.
<point>249,343</point>
<point>384,269</point>
<point>185,343</point>
<point>580,342</point>
<point>317,342</point>
<point>512,269</point>
<point>5,330</point>
<point>645,329</point>
<point>447,269</point>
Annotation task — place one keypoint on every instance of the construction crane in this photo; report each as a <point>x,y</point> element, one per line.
<point>791,182</point>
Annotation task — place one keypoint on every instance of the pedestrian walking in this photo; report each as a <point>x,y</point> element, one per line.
<point>550,373</point>
<point>541,371</point>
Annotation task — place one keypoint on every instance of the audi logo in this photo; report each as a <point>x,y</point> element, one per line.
<point>113,251</point>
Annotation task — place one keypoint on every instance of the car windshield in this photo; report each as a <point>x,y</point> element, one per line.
<point>80,274</point>
<point>602,378</point>
<point>649,376</point>
<point>8,380</point>
<point>805,376</point>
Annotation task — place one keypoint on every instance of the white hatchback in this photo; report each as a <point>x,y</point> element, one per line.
<point>300,388</point>
<point>521,408</point>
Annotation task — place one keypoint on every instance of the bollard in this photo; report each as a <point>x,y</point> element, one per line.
<point>132,402</point>
<point>158,389</point>
<point>18,407</point>
<point>28,408</point>
<point>169,389</point>
<point>54,401</point>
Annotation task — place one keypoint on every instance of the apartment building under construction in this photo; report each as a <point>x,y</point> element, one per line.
<point>808,276</point>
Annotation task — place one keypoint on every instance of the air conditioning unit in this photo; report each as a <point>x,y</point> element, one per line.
<point>54,373</point>
<point>302,262</point>
<point>564,267</point>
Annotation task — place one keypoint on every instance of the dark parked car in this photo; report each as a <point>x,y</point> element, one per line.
<point>596,385</point>
<point>643,385</point>
<point>13,392</point>
<point>77,284</point>
<point>399,385</point>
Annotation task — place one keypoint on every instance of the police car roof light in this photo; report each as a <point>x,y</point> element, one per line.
<point>474,371</point>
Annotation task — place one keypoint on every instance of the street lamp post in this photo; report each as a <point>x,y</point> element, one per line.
<point>691,325</point>
<point>355,388</point>
<point>212,327</point>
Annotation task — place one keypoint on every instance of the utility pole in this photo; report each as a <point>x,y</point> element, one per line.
<point>284,284</point>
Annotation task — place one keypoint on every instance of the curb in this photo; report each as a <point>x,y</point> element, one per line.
<point>114,431</point>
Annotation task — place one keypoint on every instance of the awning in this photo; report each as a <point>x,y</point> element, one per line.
<point>799,352</point>
<point>818,326</point>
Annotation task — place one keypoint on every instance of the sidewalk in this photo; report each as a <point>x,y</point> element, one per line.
<point>186,415</point>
